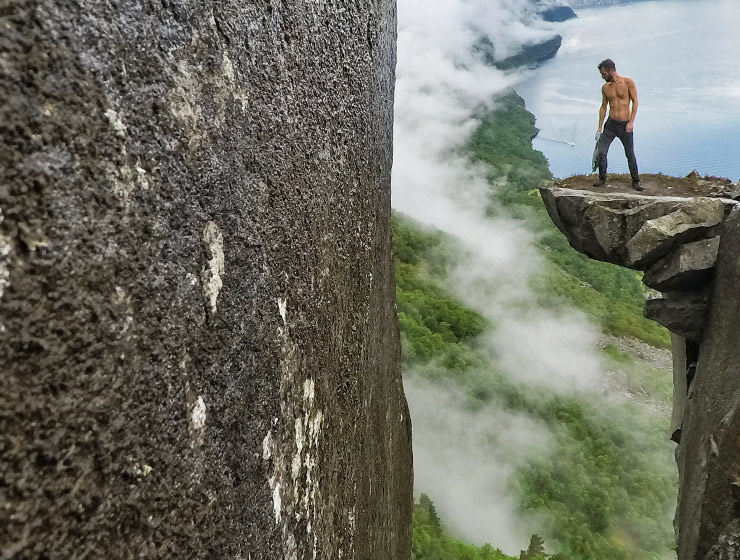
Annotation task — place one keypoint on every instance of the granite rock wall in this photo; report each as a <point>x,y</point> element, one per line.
<point>200,354</point>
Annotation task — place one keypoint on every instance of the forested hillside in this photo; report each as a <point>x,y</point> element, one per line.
<point>605,488</point>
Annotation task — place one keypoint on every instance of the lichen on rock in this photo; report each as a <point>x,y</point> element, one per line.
<point>213,270</point>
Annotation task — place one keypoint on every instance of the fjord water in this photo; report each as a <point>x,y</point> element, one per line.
<point>683,56</point>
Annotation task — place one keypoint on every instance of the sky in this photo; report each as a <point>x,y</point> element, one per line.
<point>681,55</point>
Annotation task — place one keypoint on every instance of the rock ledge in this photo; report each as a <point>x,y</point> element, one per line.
<point>684,234</point>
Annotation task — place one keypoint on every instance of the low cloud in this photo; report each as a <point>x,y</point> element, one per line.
<point>464,459</point>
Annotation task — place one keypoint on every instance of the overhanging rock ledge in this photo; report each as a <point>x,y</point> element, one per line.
<point>684,233</point>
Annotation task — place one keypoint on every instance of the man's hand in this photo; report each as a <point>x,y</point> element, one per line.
<point>597,135</point>
<point>630,126</point>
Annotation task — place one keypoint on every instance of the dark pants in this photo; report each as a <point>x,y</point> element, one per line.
<point>617,129</point>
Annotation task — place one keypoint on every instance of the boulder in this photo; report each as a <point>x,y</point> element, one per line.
<point>688,266</point>
<point>689,221</point>
<point>683,313</point>
<point>629,229</point>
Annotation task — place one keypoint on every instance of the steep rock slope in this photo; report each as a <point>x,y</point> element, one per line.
<point>687,245</point>
<point>200,354</point>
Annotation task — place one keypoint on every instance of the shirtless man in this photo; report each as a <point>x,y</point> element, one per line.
<point>617,93</point>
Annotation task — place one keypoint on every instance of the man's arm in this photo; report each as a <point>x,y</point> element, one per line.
<point>602,110</point>
<point>632,90</point>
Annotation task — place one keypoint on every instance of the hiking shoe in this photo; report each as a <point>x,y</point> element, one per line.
<point>599,183</point>
<point>637,186</point>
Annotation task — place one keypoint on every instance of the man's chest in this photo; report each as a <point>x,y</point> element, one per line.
<point>617,92</point>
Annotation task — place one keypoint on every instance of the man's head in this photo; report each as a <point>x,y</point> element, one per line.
<point>608,69</point>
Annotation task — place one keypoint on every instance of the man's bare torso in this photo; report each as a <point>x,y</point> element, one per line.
<point>617,94</point>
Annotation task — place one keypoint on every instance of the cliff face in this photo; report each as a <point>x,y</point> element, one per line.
<point>200,351</point>
<point>687,246</point>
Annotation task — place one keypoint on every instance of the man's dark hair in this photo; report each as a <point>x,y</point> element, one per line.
<point>607,64</point>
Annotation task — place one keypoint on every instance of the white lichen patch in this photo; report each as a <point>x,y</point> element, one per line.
<point>314,427</point>
<point>141,173</point>
<point>309,498</point>
<point>125,179</point>
<point>141,471</point>
<point>198,417</point>
<point>276,499</point>
<point>267,447</point>
<point>299,434</point>
<point>283,309</point>
<point>292,450</point>
<point>117,179</point>
<point>291,548</point>
<point>713,446</point>
<point>351,518</point>
<point>309,391</point>
<point>33,238</point>
<point>211,275</point>
<point>295,466</point>
<point>120,297</point>
<point>116,122</point>
<point>227,67</point>
<point>183,102</point>
<point>5,249</point>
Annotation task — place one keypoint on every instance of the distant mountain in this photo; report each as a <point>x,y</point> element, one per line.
<point>594,3</point>
<point>529,56</point>
<point>558,13</point>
